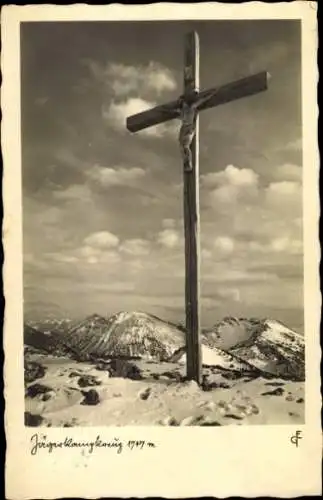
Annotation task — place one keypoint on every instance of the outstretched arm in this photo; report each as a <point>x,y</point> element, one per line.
<point>166,110</point>
<point>205,98</point>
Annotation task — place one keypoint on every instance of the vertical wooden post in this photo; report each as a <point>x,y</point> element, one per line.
<point>192,224</point>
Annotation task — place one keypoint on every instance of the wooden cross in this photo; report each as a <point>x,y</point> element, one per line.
<point>160,114</point>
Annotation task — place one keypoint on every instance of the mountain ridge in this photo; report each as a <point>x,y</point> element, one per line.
<point>266,345</point>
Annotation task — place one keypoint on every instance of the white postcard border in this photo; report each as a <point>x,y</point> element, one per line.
<point>187,462</point>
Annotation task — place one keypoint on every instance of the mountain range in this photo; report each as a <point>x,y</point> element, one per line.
<point>238,344</point>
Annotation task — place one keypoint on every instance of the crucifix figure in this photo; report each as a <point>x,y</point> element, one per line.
<point>187,108</point>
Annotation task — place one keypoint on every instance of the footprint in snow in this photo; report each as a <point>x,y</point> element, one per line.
<point>276,392</point>
<point>254,409</point>
<point>145,393</point>
<point>207,405</point>
<point>169,421</point>
<point>241,407</point>
<point>210,423</point>
<point>199,420</point>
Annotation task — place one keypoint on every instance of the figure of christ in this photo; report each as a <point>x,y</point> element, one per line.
<point>188,109</point>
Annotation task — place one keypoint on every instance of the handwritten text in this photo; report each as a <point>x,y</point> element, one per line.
<point>42,442</point>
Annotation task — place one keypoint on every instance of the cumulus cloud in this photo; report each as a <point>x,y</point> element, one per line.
<point>168,238</point>
<point>232,185</point>
<point>295,145</point>
<point>228,292</point>
<point>118,176</point>
<point>105,247</point>
<point>206,253</point>
<point>87,251</point>
<point>286,244</point>
<point>232,176</point>
<point>284,196</point>
<point>74,192</point>
<point>224,243</point>
<point>100,247</point>
<point>223,194</point>
<point>280,244</point>
<point>117,112</point>
<point>128,90</point>
<point>131,90</point>
<point>283,188</point>
<point>109,257</point>
<point>61,257</point>
<point>288,172</point>
<point>95,255</point>
<point>126,79</point>
<point>135,247</point>
<point>102,239</point>
<point>255,223</point>
<point>92,260</point>
<point>168,223</point>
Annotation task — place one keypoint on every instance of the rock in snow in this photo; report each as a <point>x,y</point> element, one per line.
<point>32,420</point>
<point>91,398</point>
<point>33,371</point>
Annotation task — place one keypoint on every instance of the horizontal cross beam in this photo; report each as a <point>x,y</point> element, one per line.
<point>153,116</point>
<point>221,95</point>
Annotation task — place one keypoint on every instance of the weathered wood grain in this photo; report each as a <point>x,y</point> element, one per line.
<point>192,225</point>
<point>154,116</point>
<point>223,94</point>
<point>160,114</point>
<point>238,89</point>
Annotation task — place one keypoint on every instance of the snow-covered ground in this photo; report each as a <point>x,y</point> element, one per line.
<point>253,373</point>
<point>159,398</point>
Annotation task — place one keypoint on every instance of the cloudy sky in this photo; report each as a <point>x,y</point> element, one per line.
<point>103,228</point>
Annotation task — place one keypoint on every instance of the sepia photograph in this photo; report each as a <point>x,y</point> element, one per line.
<point>161,250</point>
<point>162,223</point>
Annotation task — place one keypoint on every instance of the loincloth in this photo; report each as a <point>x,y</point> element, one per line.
<point>186,134</point>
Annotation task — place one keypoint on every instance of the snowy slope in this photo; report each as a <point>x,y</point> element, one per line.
<point>226,333</point>
<point>216,357</point>
<point>276,350</point>
<point>49,325</point>
<point>49,343</point>
<point>234,343</point>
<point>126,334</point>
